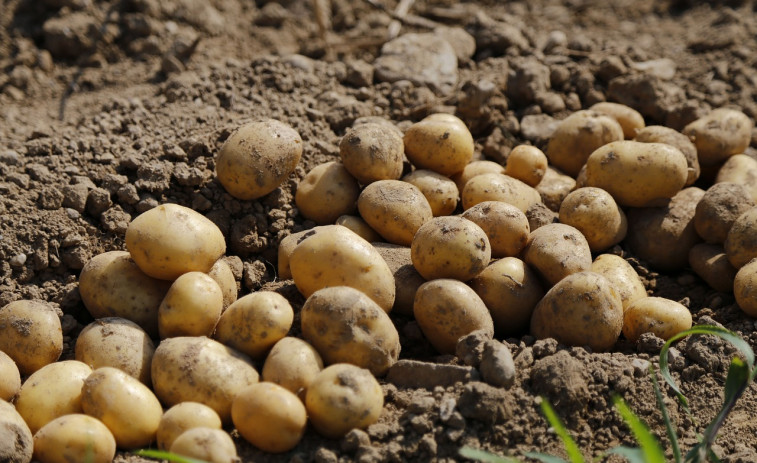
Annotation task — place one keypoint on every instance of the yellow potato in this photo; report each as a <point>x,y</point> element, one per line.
<point>450,247</point>
<point>720,134</point>
<point>710,262</point>
<point>720,206</point>
<point>662,317</point>
<point>191,307</point>
<point>206,444</point>
<point>372,152</point>
<point>183,417</point>
<point>624,278</point>
<point>557,250</point>
<point>741,242</point>
<point>499,187</point>
<point>292,364</point>
<point>395,209</point>
<point>745,288</point>
<point>74,438</point>
<point>630,120</point>
<point>359,226</point>
<point>440,191</point>
<point>504,224</point>
<point>577,136</point>
<point>660,134</point>
<point>554,187</point>
<point>475,168</point>
<point>442,144</point>
<point>740,169</point>
<point>31,334</point>
<point>527,163</point>
<point>407,280</point>
<point>222,274</point>
<point>596,215</point>
<point>286,247</point>
<point>327,192</point>
<point>16,442</point>
<point>10,378</point>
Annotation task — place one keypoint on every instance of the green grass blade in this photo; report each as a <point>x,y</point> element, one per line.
<point>672,437</point>
<point>571,448</point>
<point>543,457</point>
<point>650,448</point>
<point>633,455</point>
<point>483,455</point>
<point>161,455</point>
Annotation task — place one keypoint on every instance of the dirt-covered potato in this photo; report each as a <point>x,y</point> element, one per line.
<point>720,206</point>
<point>741,242</point>
<point>407,280</point>
<point>450,247</point>
<point>510,290</point>
<point>554,187</point>
<point>183,417</point>
<point>192,306</point>
<point>499,187</point>
<point>372,152</point>
<point>582,309</point>
<point>475,168</point>
<point>442,144</point>
<point>596,215</point>
<point>269,417</point>
<point>624,278</point>
<point>255,322</point>
<point>16,442</point>
<point>343,397</point>
<point>740,169</point>
<point>441,192</point>
<point>395,209</point>
<point>710,262</point>
<point>504,224</point>
<point>527,163</point>
<point>662,317</point>
<point>10,378</point>
<point>336,256</point>
<point>257,158</point>
<point>223,275</point>
<point>630,120</point>
<point>745,288</point>
<point>327,192</point>
<point>31,334</point>
<point>720,134</point>
<point>359,226</point>
<point>73,438</point>
<point>346,326</point>
<point>447,310</point>
<point>170,240</point>
<point>577,136</point>
<point>206,444</point>
<point>286,247</point>
<point>661,134</point>
<point>198,369</point>
<point>557,250</point>
<point>637,174</point>
<point>292,364</point>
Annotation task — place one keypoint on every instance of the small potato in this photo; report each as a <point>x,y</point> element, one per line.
<point>662,317</point>
<point>255,322</point>
<point>440,191</point>
<point>292,364</point>
<point>554,187</point>
<point>447,310</point>
<point>359,226</point>
<point>741,242</point>
<point>343,397</point>
<point>740,169</point>
<point>372,152</point>
<point>527,163</point>
<point>720,134</point>
<point>16,442</point>
<point>596,215</point>
<point>745,288</point>
<point>630,120</point>
<point>286,247</point>
<point>660,134</point>
<point>557,250</point>
<point>10,378</point>
<point>346,326</point>
<point>577,136</point>
<point>476,168</point>
<point>582,309</point>
<point>720,206</point>
<point>624,278</point>
<point>257,158</point>
<point>327,192</point>
<point>269,417</point>
<point>407,280</point>
<point>31,334</point>
<point>499,187</point>
<point>442,144</point>
<point>206,444</point>
<point>222,274</point>
<point>192,306</point>
<point>74,438</point>
<point>450,247</point>
<point>395,209</point>
<point>510,290</point>
<point>170,240</point>
<point>710,262</point>
<point>183,417</point>
<point>504,224</point>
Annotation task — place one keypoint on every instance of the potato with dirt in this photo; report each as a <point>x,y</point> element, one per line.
<point>407,280</point>
<point>73,438</point>
<point>286,247</point>
<point>223,275</point>
<point>395,209</point>
<point>359,226</point>
<point>624,278</point>
<point>206,444</point>
<point>720,134</point>
<point>32,334</point>
<point>441,192</point>
<point>630,120</point>
<point>527,163</point>
<point>554,187</point>
<point>596,215</point>
<point>441,143</point>
<point>577,136</point>
<point>499,187</point>
<point>10,378</point>
<point>720,206</point>
<point>183,417</point>
<point>450,247</point>
<point>372,152</point>
<point>557,250</point>
<point>293,364</point>
<point>740,169</point>
<point>505,226</point>
<point>710,262</point>
<point>475,168</point>
<point>741,242</point>
<point>327,192</point>
<point>191,307</point>
<point>16,440</point>
<point>662,317</point>
<point>661,134</point>
<point>745,288</point>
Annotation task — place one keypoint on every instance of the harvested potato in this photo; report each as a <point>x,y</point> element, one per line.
<point>624,278</point>
<point>223,275</point>
<point>582,309</point>
<point>10,378</point>
<point>499,187</point>
<point>170,240</point>
<point>577,136</point>
<point>710,262</point>
<point>557,250</point>
<point>359,226</point>
<point>510,290</point>
<point>395,209</point>
<point>343,397</point>
<point>741,242</point>
<point>206,444</point>
<point>441,192</point>
<point>31,334</point>
<point>554,187</point>
<point>720,206</point>
<point>407,280</point>
<point>255,322</point>
<point>720,134</point>
<point>111,285</point>
<point>286,247</point>
<point>257,158</point>
<point>192,306</point>
<point>637,174</point>
<point>740,169</point>
<point>660,134</point>
<point>292,364</point>
<point>526,163</point>
<point>346,326</point>
<point>327,192</point>
<point>450,247</point>
<point>630,120</point>
<point>447,310</point>
<point>442,144</point>
<point>745,288</point>
<point>269,417</point>
<point>336,256</point>
<point>73,438</point>
<point>16,442</point>
<point>372,152</point>
<point>475,168</point>
<point>183,417</point>
<point>505,226</point>
<point>662,317</point>
<point>596,215</point>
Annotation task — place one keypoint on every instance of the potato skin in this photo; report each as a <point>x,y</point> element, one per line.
<point>440,192</point>
<point>499,187</point>
<point>222,274</point>
<point>663,317</point>
<point>720,206</point>
<point>327,192</point>
<point>740,169</point>
<point>710,262</point>
<point>720,134</point>
<point>577,136</point>
<point>527,163</point>
<point>206,444</point>
<point>293,364</point>
<point>359,226</point>
<point>407,280</point>
<point>505,226</point>
<point>624,278</point>
<point>596,215</point>
<point>557,250</point>
<point>630,120</point>
<point>372,152</point>
<point>74,437</point>
<point>16,442</point>
<point>475,168</point>
<point>395,209</point>
<point>32,335</point>
<point>661,134</point>
<point>10,378</point>
<point>450,247</point>
<point>741,242</point>
<point>183,417</point>
<point>745,288</point>
<point>286,247</point>
<point>441,144</point>
<point>191,307</point>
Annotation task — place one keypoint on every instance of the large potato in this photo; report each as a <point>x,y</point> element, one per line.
<point>527,163</point>
<point>624,278</point>
<point>395,209</point>
<point>710,262</point>
<point>577,136</point>
<point>191,307</point>
<point>474,169</point>
<point>407,280</point>
<point>327,192</point>
<point>504,224</point>
<point>660,134</point>
<point>183,417</point>
<point>596,215</point>
<point>554,187</point>
<point>499,187</point>
<point>557,250</point>
<point>741,242</point>
<point>450,247</point>
<point>10,378</point>
<point>74,438</point>
<point>206,444</point>
<point>223,275</point>
<point>372,152</point>
<point>442,144</point>
<point>745,288</point>
<point>720,134</point>
<point>257,158</point>
<point>441,192</point>
<point>31,334</point>
<point>630,120</point>
<point>662,317</point>
<point>720,206</point>
<point>740,169</point>
<point>292,364</point>
<point>170,240</point>
<point>16,442</point>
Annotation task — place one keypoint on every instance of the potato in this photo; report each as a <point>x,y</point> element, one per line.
<point>741,242</point>
<point>372,152</point>
<point>510,290</point>
<point>269,417</point>
<point>222,274</point>
<point>499,187</point>
<point>16,443</point>
<point>255,322</point>
<point>720,134</point>
<point>192,306</point>
<point>577,136</point>
<point>74,438</point>
<point>170,240</point>
<point>407,280</point>
<point>52,391</point>
<point>198,369</point>
<point>475,168</point>
<point>582,309</point>
<point>343,397</point>
<point>637,174</point>
<point>206,444</point>
<point>327,192</point>
<point>127,407</point>
<point>505,226</point>
<point>710,262</point>
<point>442,144</point>
<point>526,163</point>
<point>10,378</point>
<point>447,310</point>
<point>395,209</point>
<point>257,158</point>
<point>557,250</point>
<point>31,334</point>
<point>111,285</point>
<point>596,215</point>
<point>740,169</point>
<point>450,247</point>
<point>292,364</point>
<point>630,120</point>
<point>286,247</point>
<point>338,257</point>
<point>554,187</point>
<point>660,134</point>
<point>359,226</point>
<point>662,317</point>
<point>720,206</point>
<point>441,192</point>
<point>624,278</point>
<point>346,326</point>
<point>183,417</point>
<point>745,288</point>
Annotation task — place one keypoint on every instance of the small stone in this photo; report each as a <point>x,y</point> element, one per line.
<point>359,74</point>
<point>640,367</point>
<point>18,260</point>
<point>416,374</point>
<point>470,348</point>
<point>497,366</point>
<point>555,39</point>
<point>538,128</point>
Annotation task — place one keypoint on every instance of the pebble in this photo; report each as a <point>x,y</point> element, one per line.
<point>664,68</point>
<point>416,374</point>
<point>470,348</point>
<point>497,366</point>
<point>18,260</point>
<point>538,128</point>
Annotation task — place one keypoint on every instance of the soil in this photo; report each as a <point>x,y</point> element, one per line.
<point>109,108</point>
